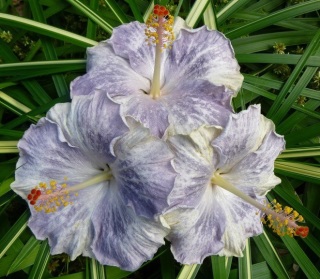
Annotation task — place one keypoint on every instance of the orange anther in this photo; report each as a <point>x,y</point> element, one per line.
<point>33,202</point>
<point>29,197</point>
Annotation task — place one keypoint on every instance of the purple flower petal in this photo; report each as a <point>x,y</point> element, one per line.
<point>195,103</point>
<point>194,163</point>
<point>197,233</point>
<point>110,73</point>
<point>46,155</point>
<point>143,171</point>
<point>202,54</point>
<point>90,123</point>
<point>121,238</point>
<point>247,149</point>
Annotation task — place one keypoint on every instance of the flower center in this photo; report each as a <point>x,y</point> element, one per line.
<point>159,32</point>
<point>48,198</point>
<point>282,221</point>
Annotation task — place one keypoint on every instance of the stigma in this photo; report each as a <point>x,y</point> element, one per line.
<point>283,221</point>
<point>49,197</point>
<point>159,32</point>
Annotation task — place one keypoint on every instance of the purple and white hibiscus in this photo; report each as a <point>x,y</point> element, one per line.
<point>207,217</point>
<point>199,76</point>
<point>118,182</point>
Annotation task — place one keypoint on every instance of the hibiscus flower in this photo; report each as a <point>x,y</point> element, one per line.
<point>219,195</point>
<point>95,186</point>
<point>183,83</point>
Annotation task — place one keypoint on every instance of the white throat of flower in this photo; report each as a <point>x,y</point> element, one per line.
<point>159,32</point>
<point>48,198</point>
<point>282,221</point>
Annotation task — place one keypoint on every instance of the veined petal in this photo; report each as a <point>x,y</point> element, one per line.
<point>197,233</point>
<point>255,172</point>
<point>194,163</point>
<point>121,238</point>
<point>90,123</point>
<point>69,230</point>
<point>243,134</point>
<point>219,225</point>
<point>242,221</point>
<point>109,73</point>
<point>151,113</point>
<point>197,102</point>
<point>129,42</point>
<point>202,54</point>
<point>144,171</point>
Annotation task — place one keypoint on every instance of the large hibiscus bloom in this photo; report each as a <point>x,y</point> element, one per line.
<point>198,77</point>
<point>94,186</point>
<point>224,175</point>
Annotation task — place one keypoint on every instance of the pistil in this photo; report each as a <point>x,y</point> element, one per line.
<point>159,32</point>
<point>48,198</point>
<point>282,221</point>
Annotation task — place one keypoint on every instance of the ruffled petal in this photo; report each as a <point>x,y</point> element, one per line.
<point>90,123</point>
<point>110,73</point>
<point>129,42</point>
<point>243,134</point>
<point>243,222</point>
<point>255,172</point>
<point>197,233</point>
<point>219,225</point>
<point>144,171</point>
<point>69,229</point>
<point>202,54</point>
<point>194,163</point>
<point>121,238</point>
<point>151,113</point>
<point>196,103</point>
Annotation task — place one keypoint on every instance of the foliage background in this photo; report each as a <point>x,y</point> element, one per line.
<point>277,43</point>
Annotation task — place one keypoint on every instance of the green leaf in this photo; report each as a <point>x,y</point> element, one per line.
<point>270,255</point>
<point>15,231</point>
<point>41,262</point>
<point>189,271</point>
<point>300,152</point>
<point>46,30</point>
<point>298,170</point>
<point>92,15</point>
<point>221,266</point>
<point>245,270</point>
<point>196,12</point>
<point>24,253</point>
<point>5,186</point>
<point>114,7</point>
<point>278,110</point>
<point>232,7</point>
<point>302,259</point>
<point>289,12</point>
